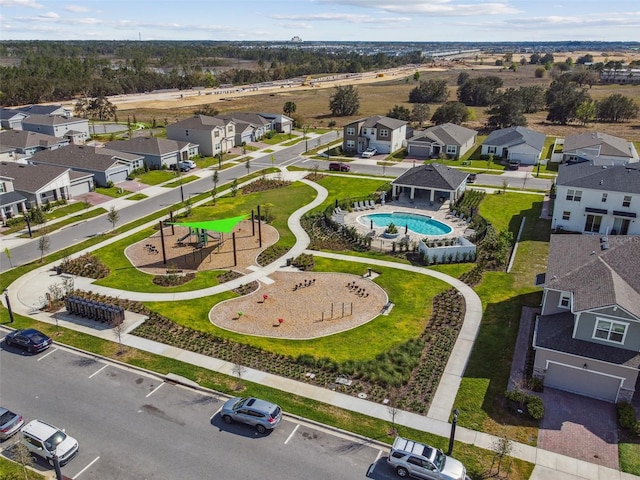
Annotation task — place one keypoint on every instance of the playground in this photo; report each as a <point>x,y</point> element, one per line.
<point>188,250</point>
<point>302,305</point>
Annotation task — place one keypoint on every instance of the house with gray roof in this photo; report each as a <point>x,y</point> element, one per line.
<point>430,183</point>
<point>11,119</point>
<point>74,128</point>
<point>37,184</point>
<point>28,143</point>
<point>600,148</point>
<point>212,135</point>
<point>515,144</point>
<point>105,164</point>
<point>157,152</point>
<point>12,203</point>
<point>249,127</point>
<point>281,123</point>
<point>448,139</point>
<point>384,134</point>
<point>46,110</point>
<point>597,199</point>
<point>587,336</point>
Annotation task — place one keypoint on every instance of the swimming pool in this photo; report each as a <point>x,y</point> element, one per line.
<point>420,224</point>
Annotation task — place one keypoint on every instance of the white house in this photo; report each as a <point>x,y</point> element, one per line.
<point>595,199</point>
<point>212,135</point>
<point>600,148</point>
<point>515,143</point>
<point>384,134</point>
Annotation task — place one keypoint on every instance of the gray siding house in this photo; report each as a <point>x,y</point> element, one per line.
<point>600,148</point>
<point>515,144</point>
<point>447,139</point>
<point>37,184</point>
<point>212,135</point>
<point>587,337</point>
<point>76,129</point>
<point>157,153</point>
<point>28,143</point>
<point>11,119</point>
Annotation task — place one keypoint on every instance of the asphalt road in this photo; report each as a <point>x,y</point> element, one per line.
<point>131,425</point>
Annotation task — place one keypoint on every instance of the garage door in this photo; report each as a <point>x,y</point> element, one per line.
<point>117,177</point>
<point>419,150</point>
<point>583,382</point>
<point>79,188</point>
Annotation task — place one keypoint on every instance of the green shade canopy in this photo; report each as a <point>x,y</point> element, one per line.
<point>224,225</point>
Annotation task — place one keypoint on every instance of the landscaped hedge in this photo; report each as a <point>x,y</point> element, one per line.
<point>521,401</point>
<point>627,417</point>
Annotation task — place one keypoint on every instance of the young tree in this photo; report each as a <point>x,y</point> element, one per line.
<point>420,113</point>
<point>429,91</point>
<point>113,215</point>
<point>234,187</point>
<point>7,252</point>
<point>400,112</point>
<point>289,108</point>
<point>540,72</point>
<point>215,180</point>
<point>119,330</point>
<point>344,101</point>
<point>451,112</point>
<point>416,77</point>
<point>44,243</point>
<point>586,111</point>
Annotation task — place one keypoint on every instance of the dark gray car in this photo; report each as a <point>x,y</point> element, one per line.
<point>259,413</point>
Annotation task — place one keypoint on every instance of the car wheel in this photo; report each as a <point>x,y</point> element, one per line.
<point>227,419</point>
<point>261,429</point>
<point>402,472</point>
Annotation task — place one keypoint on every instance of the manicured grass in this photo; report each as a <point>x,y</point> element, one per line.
<point>137,196</point>
<point>343,189</point>
<point>10,470</point>
<point>155,177</point>
<point>474,152</point>
<point>277,138</point>
<point>629,454</point>
<point>96,212</point>
<point>114,192</point>
<point>547,150</point>
<point>504,210</point>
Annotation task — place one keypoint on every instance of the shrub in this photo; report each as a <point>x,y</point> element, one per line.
<point>536,384</point>
<point>535,408</point>
<point>627,416</point>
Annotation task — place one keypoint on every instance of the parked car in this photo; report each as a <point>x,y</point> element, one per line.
<point>10,423</point>
<point>514,164</point>
<point>339,167</point>
<point>472,177</point>
<point>30,339</point>
<point>418,460</point>
<point>259,413</point>
<point>48,441</point>
<point>189,163</point>
<point>369,152</point>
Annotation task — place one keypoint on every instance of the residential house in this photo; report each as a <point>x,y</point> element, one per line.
<point>587,337</point>
<point>384,134</point>
<point>249,127</point>
<point>597,199</point>
<point>157,152</point>
<point>105,164</point>
<point>281,123</point>
<point>430,183</point>
<point>12,203</point>
<point>37,184</point>
<point>46,110</point>
<point>515,144</point>
<point>447,139</point>
<point>212,135</point>
<point>600,148</point>
<point>74,128</point>
<point>11,119</point>
<point>7,153</point>
<point>27,143</point>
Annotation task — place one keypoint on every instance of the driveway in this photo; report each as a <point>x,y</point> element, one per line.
<point>579,427</point>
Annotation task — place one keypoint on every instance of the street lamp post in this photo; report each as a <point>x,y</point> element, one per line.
<point>454,422</point>
<point>306,141</point>
<point>6,299</point>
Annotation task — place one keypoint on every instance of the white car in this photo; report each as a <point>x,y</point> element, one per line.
<point>47,441</point>
<point>415,459</point>
<point>369,152</point>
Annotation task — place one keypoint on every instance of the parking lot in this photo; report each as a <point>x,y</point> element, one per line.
<point>133,425</point>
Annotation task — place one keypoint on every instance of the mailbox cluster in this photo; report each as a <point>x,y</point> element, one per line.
<point>99,311</point>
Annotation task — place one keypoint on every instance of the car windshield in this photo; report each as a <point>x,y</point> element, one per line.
<point>439,460</point>
<point>37,338</point>
<point>239,403</point>
<point>54,440</point>
<point>6,417</point>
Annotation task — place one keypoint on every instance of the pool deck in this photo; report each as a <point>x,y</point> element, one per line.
<point>437,211</point>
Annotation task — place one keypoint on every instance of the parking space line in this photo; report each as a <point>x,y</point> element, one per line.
<point>85,468</point>
<point>292,434</point>
<point>214,414</point>
<point>154,390</point>
<point>46,355</point>
<point>378,456</point>
<point>98,371</point>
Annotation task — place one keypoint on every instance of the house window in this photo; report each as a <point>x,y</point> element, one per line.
<point>574,195</point>
<point>351,144</point>
<point>2,187</point>
<point>351,131</point>
<point>626,202</point>
<point>610,330</point>
<point>604,197</point>
<point>566,215</point>
<point>229,129</point>
<point>593,223</point>
<point>452,149</point>
<point>216,134</point>
<point>565,300</point>
<point>491,150</point>
<point>384,133</point>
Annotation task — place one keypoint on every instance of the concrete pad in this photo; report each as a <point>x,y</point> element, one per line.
<point>547,459</point>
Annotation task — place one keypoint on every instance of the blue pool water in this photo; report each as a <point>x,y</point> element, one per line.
<point>420,224</point>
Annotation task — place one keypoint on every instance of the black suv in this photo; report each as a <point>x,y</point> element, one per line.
<point>339,167</point>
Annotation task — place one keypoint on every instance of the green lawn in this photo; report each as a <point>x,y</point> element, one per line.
<point>155,177</point>
<point>13,471</point>
<point>114,192</point>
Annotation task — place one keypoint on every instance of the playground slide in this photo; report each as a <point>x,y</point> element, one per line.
<point>182,238</point>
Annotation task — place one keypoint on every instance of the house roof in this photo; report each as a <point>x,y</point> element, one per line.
<point>41,109</point>
<point>446,134</point>
<point>147,145</point>
<point>392,123</point>
<point>84,157</point>
<point>608,144</point>
<point>31,178</point>
<point>509,137</point>
<point>25,139</point>
<point>599,273</point>
<point>435,176</point>
<point>611,178</point>
<point>11,198</point>
<point>202,122</point>
<point>9,114</point>
<point>555,332</point>
<point>52,120</point>
<point>245,117</point>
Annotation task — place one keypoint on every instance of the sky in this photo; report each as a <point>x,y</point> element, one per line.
<point>321,20</point>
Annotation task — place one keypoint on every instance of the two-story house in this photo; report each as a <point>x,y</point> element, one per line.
<point>212,135</point>
<point>157,152</point>
<point>11,119</point>
<point>597,199</point>
<point>74,128</point>
<point>599,148</point>
<point>36,184</point>
<point>587,337</point>
<point>447,139</point>
<point>515,144</point>
<point>384,134</point>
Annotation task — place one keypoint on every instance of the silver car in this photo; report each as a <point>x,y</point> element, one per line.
<point>259,413</point>
<point>415,459</point>
<point>10,423</point>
